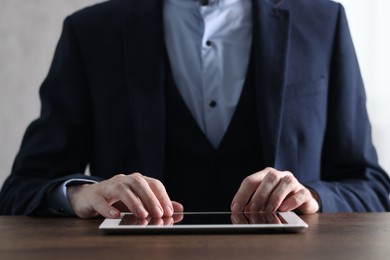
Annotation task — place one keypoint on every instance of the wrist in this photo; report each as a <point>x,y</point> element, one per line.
<point>316,197</point>
<point>73,190</point>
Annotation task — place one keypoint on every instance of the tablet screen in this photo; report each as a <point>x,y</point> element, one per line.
<point>206,222</point>
<point>205,219</point>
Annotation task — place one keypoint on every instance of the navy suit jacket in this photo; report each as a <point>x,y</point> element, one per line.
<point>103,104</point>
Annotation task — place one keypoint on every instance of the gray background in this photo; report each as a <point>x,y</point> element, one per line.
<point>29,31</point>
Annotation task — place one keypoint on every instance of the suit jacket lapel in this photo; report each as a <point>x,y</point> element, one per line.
<point>271,43</point>
<point>144,45</point>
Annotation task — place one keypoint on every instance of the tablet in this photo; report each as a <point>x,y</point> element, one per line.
<point>206,222</point>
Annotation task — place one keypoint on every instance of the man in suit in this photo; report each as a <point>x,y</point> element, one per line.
<point>249,105</point>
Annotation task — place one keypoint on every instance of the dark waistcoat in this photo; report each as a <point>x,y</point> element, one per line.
<point>199,176</point>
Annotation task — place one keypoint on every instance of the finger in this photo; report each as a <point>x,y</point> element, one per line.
<point>256,218</point>
<point>272,218</point>
<point>287,185</point>
<point>238,219</point>
<point>143,191</point>
<point>131,219</point>
<point>262,195</point>
<point>156,222</point>
<point>99,198</point>
<point>177,217</point>
<point>143,221</point>
<point>247,188</point>
<point>168,221</point>
<point>121,191</point>
<point>102,207</point>
<point>301,200</point>
<point>160,192</point>
<point>177,207</point>
<point>118,189</point>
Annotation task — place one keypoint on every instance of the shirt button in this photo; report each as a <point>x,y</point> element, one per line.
<point>213,103</point>
<point>204,2</point>
<point>208,43</point>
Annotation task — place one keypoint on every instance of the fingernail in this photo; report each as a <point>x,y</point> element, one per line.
<point>236,207</point>
<point>158,212</point>
<point>142,213</point>
<point>269,208</point>
<point>283,208</point>
<point>113,213</point>
<point>168,210</point>
<point>253,207</point>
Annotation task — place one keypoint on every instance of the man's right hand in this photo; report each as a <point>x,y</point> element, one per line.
<point>141,195</point>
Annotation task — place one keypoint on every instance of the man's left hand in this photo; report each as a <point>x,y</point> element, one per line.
<point>271,190</point>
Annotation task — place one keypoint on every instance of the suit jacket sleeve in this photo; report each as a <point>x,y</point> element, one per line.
<point>57,144</point>
<point>351,179</point>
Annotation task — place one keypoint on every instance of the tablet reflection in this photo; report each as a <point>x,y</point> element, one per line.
<point>205,219</point>
<point>130,219</point>
<point>256,218</point>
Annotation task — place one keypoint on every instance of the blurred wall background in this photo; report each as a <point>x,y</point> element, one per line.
<point>369,21</point>
<point>29,31</point>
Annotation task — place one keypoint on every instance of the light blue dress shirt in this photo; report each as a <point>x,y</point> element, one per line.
<point>208,48</point>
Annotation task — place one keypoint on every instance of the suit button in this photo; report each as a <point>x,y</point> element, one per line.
<point>213,103</point>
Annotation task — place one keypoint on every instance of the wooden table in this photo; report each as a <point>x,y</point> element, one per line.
<point>330,236</point>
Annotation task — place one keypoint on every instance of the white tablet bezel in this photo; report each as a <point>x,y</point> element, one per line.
<point>294,224</point>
